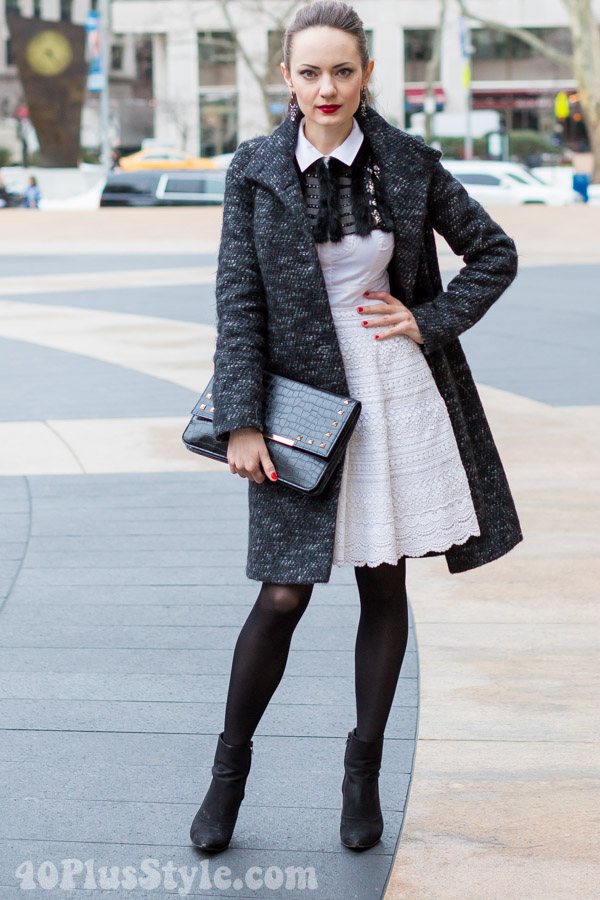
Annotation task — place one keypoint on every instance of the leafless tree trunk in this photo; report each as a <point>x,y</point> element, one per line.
<point>278,18</point>
<point>432,73</point>
<point>584,63</point>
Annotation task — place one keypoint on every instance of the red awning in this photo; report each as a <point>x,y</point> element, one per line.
<point>416,96</point>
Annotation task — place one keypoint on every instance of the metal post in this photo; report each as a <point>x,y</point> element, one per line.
<point>105,141</point>
<point>467,50</point>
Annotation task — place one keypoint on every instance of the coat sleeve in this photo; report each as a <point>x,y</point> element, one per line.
<point>240,351</point>
<point>489,253</point>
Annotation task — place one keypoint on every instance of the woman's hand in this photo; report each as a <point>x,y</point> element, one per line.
<point>397,315</point>
<point>246,452</point>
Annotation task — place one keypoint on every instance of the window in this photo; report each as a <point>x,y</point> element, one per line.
<point>167,155</point>
<point>10,60</point>
<point>218,124</point>
<point>185,186</point>
<point>517,178</point>
<point>65,10</point>
<point>13,6</point>
<point>491,44</point>
<point>418,50</point>
<point>37,9</point>
<point>216,58</point>
<point>116,57</point>
<point>478,178</point>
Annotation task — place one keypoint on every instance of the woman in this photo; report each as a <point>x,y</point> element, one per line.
<point>328,274</point>
<point>32,195</point>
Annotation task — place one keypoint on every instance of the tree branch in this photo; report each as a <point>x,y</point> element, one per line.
<point>523,34</point>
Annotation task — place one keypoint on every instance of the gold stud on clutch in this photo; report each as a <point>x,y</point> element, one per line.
<point>208,396</point>
<point>311,441</point>
<point>328,433</point>
<point>321,445</point>
<point>212,409</point>
<point>298,437</point>
<point>334,423</point>
<point>203,406</point>
<point>346,401</point>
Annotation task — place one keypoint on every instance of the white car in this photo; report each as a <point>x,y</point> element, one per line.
<point>506,183</point>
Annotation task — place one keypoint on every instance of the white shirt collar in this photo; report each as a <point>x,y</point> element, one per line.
<point>306,153</point>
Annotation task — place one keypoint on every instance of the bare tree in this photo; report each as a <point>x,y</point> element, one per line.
<point>278,16</point>
<point>584,62</point>
<point>432,73</point>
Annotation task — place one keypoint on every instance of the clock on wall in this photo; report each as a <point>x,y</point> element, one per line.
<point>50,57</point>
<point>49,52</point>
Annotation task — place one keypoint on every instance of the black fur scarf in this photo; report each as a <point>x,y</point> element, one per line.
<point>327,224</point>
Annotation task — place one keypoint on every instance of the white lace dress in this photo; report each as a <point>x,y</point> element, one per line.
<point>404,489</point>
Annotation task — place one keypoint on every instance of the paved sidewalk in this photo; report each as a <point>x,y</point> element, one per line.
<point>125,595</point>
<point>107,745</point>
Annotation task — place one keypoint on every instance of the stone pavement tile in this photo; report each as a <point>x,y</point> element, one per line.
<point>75,659</point>
<point>501,820</point>
<point>503,790</point>
<point>500,682</point>
<point>329,596</point>
<point>280,718</point>
<point>278,777</point>
<point>178,352</point>
<point>295,829</point>
<point>125,767</point>
<point>96,697</point>
<point>43,384</point>
<point>56,263</point>
<point>199,613</point>
<point>328,876</point>
<point>97,752</point>
<point>166,637</point>
<point>532,591</point>
<point>302,689</point>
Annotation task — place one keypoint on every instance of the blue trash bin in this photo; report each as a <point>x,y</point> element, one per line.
<point>580,184</point>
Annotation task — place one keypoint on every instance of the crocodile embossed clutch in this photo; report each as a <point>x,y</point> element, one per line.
<point>306,430</point>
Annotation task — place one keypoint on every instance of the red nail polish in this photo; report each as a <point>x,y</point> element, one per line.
<point>367,293</point>
<point>273,476</point>
<point>376,336</point>
<point>360,309</point>
<point>365,322</point>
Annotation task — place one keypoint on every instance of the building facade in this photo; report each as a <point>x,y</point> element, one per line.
<point>130,77</point>
<point>204,74</point>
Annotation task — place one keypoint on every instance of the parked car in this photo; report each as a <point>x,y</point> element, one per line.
<point>163,158</point>
<point>10,196</point>
<point>507,183</point>
<point>155,188</point>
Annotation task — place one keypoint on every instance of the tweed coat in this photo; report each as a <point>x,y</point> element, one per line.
<point>273,312</point>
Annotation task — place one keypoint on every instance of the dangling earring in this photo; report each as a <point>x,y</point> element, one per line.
<point>363,101</point>
<point>294,108</point>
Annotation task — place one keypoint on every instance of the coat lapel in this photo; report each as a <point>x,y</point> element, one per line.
<point>406,163</point>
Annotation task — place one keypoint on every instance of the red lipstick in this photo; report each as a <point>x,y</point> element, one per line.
<point>329,109</point>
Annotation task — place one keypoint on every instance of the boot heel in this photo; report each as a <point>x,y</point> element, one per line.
<point>361,824</point>
<point>215,821</point>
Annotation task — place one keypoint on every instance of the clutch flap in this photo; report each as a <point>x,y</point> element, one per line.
<point>296,414</point>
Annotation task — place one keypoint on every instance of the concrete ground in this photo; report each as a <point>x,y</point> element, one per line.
<point>106,328</point>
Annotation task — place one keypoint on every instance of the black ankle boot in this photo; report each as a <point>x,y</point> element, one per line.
<point>214,822</point>
<point>362,823</point>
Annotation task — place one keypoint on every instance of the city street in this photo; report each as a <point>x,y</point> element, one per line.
<point>122,590</point>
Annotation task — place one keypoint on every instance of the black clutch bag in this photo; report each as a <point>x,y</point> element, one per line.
<point>306,430</point>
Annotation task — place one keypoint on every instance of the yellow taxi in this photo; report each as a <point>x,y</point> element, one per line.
<point>163,158</point>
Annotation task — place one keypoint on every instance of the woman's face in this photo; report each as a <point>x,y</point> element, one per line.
<point>326,74</point>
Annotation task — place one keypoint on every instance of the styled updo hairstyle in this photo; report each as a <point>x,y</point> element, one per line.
<point>333,14</point>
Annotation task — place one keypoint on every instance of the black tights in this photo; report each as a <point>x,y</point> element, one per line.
<point>262,649</point>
